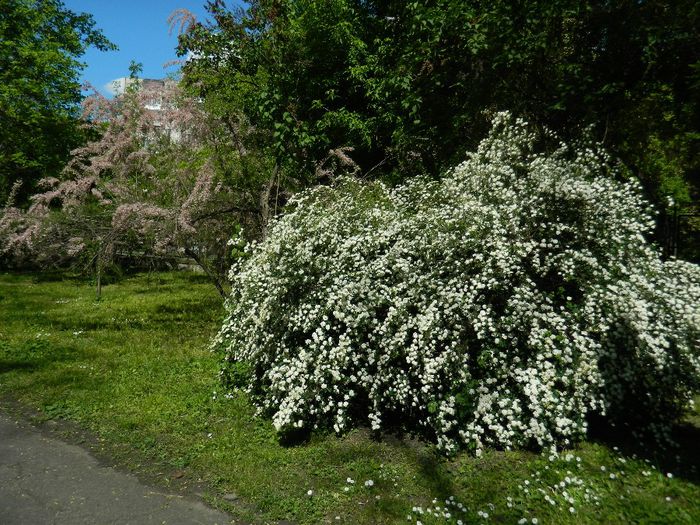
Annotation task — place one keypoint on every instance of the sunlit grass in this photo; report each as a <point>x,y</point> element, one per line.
<point>134,369</point>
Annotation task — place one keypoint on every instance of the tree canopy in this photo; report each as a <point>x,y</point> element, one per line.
<point>405,84</point>
<point>293,93</point>
<point>41,43</point>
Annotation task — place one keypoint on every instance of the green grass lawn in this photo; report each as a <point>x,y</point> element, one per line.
<point>134,371</point>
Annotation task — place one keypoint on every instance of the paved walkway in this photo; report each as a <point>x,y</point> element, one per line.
<point>46,481</point>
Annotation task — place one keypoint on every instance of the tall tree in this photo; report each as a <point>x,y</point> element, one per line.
<point>41,43</point>
<point>406,83</point>
<point>270,73</point>
<point>148,188</point>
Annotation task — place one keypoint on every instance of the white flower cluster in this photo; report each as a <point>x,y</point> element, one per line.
<point>498,306</point>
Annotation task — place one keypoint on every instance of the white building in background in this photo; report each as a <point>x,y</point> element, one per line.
<point>119,86</point>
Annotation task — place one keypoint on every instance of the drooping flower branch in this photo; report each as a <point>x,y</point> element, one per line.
<point>151,183</point>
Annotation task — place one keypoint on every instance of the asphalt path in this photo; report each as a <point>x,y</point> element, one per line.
<point>44,480</point>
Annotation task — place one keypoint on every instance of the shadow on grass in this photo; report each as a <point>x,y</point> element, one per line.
<point>32,356</point>
<point>53,407</point>
<point>430,466</point>
<point>177,310</point>
<point>297,437</point>
<point>156,282</point>
<point>197,313</point>
<point>9,365</point>
<point>70,324</point>
<point>682,457</point>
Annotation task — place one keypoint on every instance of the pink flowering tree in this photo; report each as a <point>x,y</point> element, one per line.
<point>156,184</point>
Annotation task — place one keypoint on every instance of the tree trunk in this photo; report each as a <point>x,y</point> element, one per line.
<point>98,271</point>
<point>212,276</point>
<point>265,203</point>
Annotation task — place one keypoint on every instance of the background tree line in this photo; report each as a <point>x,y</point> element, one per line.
<point>284,94</point>
<point>408,85</point>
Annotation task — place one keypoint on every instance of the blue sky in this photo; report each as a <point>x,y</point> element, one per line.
<point>140,30</point>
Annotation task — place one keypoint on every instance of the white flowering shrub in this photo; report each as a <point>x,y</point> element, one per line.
<point>501,305</point>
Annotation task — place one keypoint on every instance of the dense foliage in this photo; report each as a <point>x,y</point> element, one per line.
<point>405,83</point>
<point>41,43</point>
<point>501,305</point>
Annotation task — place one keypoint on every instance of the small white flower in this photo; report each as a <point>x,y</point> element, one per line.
<point>309,492</point>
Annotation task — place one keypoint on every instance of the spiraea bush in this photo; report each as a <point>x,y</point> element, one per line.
<point>501,305</point>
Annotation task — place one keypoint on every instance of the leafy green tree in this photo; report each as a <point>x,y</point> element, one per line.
<point>406,87</point>
<point>277,76</point>
<point>41,43</point>
<point>628,71</point>
<point>407,83</point>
